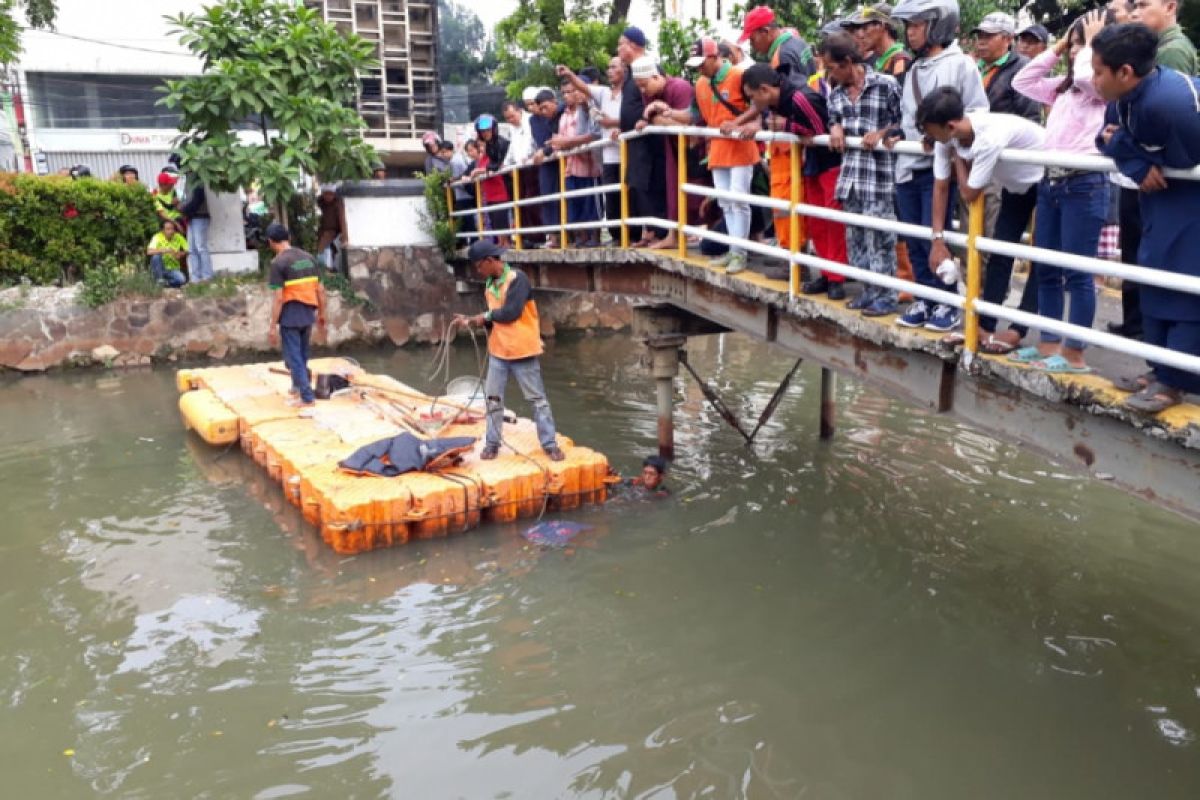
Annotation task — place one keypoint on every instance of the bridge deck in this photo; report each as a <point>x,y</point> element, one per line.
<point>1073,417</point>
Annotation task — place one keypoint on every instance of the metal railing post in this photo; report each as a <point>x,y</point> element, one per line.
<point>479,206</point>
<point>624,193</point>
<point>974,280</point>
<point>450,208</point>
<point>797,192</point>
<point>562,204</point>
<point>681,195</point>
<point>518,239</point>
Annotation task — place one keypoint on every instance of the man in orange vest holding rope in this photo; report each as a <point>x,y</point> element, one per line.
<point>790,56</point>
<point>514,344</point>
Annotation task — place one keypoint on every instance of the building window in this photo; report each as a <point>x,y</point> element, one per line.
<point>77,100</point>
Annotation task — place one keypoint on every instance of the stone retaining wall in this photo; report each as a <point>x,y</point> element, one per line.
<point>411,296</point>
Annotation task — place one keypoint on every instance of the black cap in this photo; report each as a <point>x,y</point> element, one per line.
<point>657,462</point>
<point>1038,32</point>
<point>278,233</point>
<point>484,248</point>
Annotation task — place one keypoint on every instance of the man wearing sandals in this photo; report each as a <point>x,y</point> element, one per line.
<point>1153,123</point>
<point>514,344</point>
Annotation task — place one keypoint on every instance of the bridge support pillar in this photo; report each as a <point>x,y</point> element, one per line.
<point>664,366</point>
<point>828,404</point>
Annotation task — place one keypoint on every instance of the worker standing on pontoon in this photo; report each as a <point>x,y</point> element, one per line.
<point>514,344</point>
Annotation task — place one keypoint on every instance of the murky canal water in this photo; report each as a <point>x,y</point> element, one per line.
<point>915,611</point>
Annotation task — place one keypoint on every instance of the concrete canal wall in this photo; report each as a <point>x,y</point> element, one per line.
<point>406,296</point>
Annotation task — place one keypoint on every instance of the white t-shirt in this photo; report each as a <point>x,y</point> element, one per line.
<point>994,133</point>
<point>610,106</point>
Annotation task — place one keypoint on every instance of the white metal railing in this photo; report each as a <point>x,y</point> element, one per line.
<point>973,240</point>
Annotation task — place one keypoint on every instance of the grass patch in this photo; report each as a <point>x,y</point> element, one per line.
<point>104,283</point>
<point>337,282</point>
<point>224,286</point>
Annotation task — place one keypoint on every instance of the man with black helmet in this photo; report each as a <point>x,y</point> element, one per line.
<point>128,174</point>
<point>931,27</point>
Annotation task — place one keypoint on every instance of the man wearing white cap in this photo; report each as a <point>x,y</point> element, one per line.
<point>644,159</point>
<point>659,91</point>
<point>999,64</point>
<point>529,98</point>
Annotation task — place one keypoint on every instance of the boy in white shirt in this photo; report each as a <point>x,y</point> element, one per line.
<point>969,143</point>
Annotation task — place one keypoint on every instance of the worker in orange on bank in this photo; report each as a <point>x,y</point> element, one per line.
<point>514,344</point>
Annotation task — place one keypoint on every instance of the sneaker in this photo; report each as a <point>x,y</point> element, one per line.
<point>880,307</point>
<point>818,285</point>
<point>554,454</point>
<point>837,291</point>
<point>944,318</point>
<point>736,264</point>
<point>489,453</point>
<point>863,300</point>
<point>916,315</point>
<point>721,260</point>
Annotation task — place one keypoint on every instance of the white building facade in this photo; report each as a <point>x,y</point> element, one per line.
<point>86,93</point>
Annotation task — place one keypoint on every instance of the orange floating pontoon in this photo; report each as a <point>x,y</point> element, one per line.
<point>248,404</point>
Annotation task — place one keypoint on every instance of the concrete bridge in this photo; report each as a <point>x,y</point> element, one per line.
<point>1074,419</point>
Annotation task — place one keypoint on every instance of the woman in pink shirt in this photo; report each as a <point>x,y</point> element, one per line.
<point>1072,204</point>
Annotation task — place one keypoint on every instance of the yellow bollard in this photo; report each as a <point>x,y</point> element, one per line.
<point>479,205</point>
<point>562,204</point>
<point>624,193</point>
<point>974,280</point>
<point>518,240</point>
<point>794,228</point>
<point>450,208</point>
<point>681,195</point>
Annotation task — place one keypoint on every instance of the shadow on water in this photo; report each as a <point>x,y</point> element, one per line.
<point>913,610</point>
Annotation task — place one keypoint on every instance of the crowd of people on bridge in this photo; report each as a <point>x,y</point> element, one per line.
<point>1118,81</point>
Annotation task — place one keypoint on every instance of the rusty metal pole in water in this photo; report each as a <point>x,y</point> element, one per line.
<point>828,409</point>
<point>664,366</point>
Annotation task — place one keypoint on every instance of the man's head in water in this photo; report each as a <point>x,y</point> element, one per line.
<point>654,470</point>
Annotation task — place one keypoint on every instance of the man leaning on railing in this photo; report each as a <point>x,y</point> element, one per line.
<point>1153,123</point>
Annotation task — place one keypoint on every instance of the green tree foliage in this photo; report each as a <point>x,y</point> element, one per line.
<point>52,227</point>
<point>543,33</point>
<point>37,13</point>
<point>276,64</point>
<point>675,40</point>
<point>466,54</point>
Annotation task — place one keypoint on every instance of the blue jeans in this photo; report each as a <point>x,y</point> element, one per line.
<point>1183,337</point>
<point>548,184</point>
<point>528,372</point>
<point>914,205</point>
<point>295,356</point>
<point>1011,223</point>
<point>171,277</point>
<point>1070,213</point>
<point>582,209</point>
<point>201,259</point>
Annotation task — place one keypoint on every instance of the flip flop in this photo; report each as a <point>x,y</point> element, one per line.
<point>995,347</point>
<point>1135,384</point>
<point>1155,398</point>
<point>1058,364</point>
<point>1025,355</point>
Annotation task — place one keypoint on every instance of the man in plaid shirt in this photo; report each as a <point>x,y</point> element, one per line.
<point>864,103</point>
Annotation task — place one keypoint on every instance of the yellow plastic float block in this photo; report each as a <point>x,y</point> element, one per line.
<point>209,417</point>
<point>356,513</point>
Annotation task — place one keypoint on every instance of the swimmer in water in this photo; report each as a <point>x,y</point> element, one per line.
<point>654,472</point>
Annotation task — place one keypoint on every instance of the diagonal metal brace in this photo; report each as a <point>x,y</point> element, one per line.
<point>723,410</point>
<point>773,403</point>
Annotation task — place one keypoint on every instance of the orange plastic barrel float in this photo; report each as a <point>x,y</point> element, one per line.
<point>247,404</point>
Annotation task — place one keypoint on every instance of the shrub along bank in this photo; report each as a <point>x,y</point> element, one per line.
<point>53,229</point>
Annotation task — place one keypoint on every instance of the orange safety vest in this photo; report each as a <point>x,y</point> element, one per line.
<point>780,154</point>
<point>728,86</point>
<point>512,340</point>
